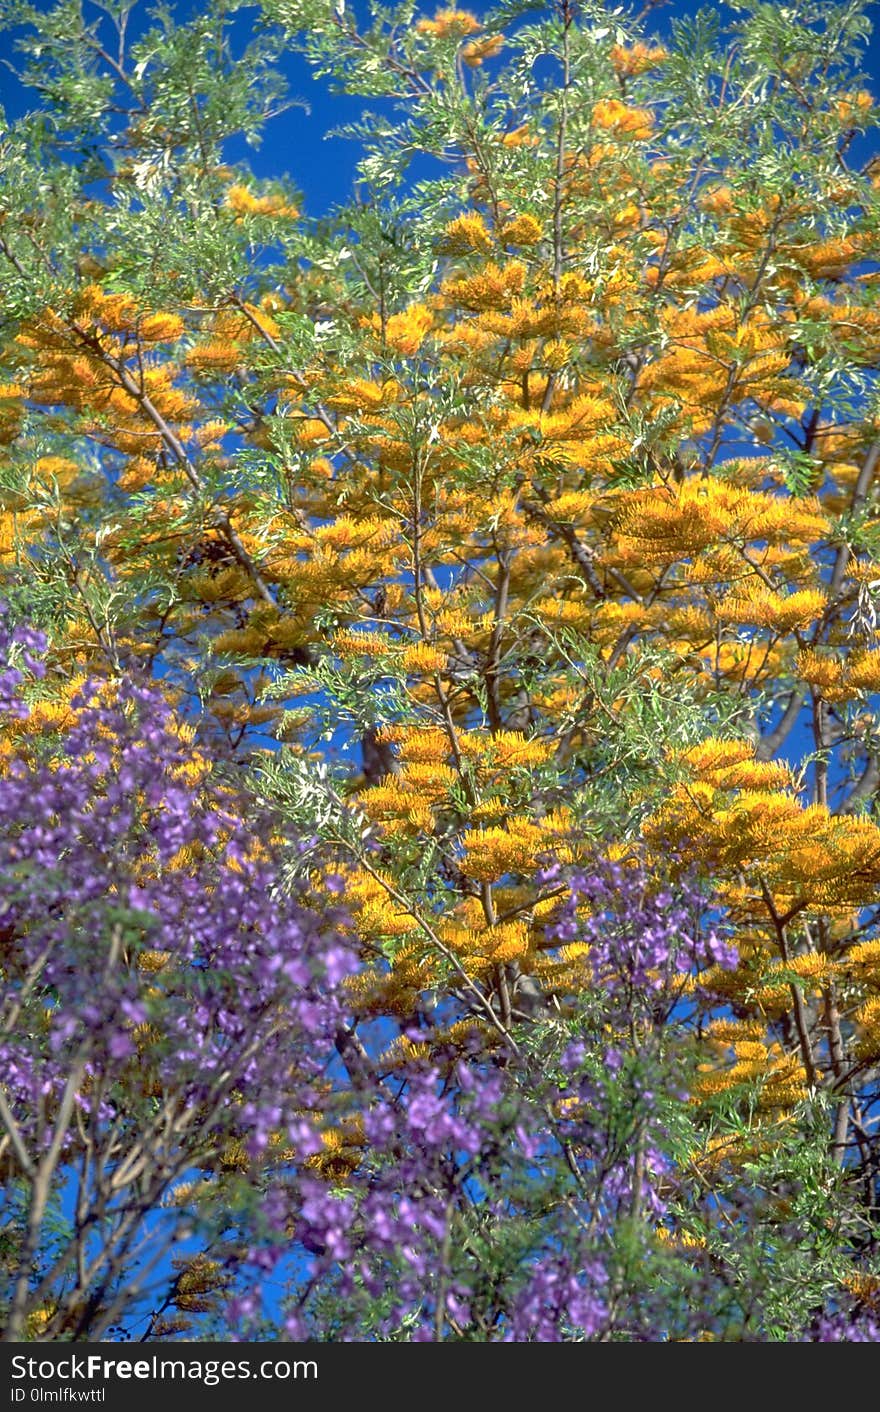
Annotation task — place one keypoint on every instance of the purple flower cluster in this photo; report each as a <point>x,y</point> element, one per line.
<point>23,644</point>
<point>640,937</point>
<point>147,927</point>
<point>840,1328</point>
<point>489,1191</point>
<point>562,1294</point>
<point>165,1010</point>
<point>423,1143</point>
<point>480,1207</point>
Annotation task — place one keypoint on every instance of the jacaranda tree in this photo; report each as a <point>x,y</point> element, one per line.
<point>507,538</point>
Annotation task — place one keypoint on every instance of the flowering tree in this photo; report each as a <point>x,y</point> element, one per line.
<point>160,1023</point>
<point>168,1043</point>
<point>518,516</point>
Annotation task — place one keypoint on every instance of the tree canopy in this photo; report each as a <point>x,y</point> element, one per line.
<point>497,560</point>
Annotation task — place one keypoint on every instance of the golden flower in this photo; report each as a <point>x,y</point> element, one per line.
<point>446,24</point>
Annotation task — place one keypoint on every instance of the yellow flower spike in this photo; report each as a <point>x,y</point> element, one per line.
<point>406,332</point>
<point>522,230</point>
<point>422,658</point>
<point>628,123</point>
<point>863,671</point>
<point>466,233</point>
<point>243,202</point>
<point>161,328</point>
<point>637,58</point>
<point>479,50</point>
<point>447,24</point>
